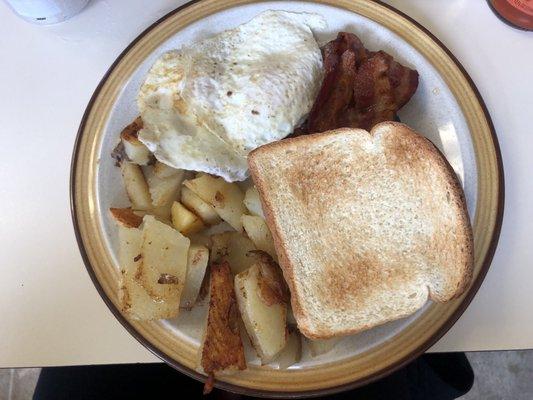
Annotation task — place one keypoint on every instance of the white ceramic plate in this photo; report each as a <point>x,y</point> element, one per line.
<point>435,111</point>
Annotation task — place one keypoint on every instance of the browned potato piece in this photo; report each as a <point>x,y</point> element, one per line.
<point>184,220</point>
<point>222,348</point>
<point>252,202</point>
<point>136,186</point>
<point>126,217</point>
<point>258,231</point>
<point>234,248</point>
<point>219,246</point>
<point>264,314</point>
<point>136,302</point>
<point>136,151</point>
<point>164,171</point>
<point>194,203</point>
<point>163,191</point>
<point>162,213</point>
<point>196,265</point>
<point>164,261</point>
<point>226,198</point>
<point>273,286</point>
<point>201,239</point>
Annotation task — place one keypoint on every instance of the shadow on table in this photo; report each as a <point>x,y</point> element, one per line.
<point>443,376</point>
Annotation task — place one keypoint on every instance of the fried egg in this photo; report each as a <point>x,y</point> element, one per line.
<point>207,105</point>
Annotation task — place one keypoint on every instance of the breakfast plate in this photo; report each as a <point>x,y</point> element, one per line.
<point>447,109</point>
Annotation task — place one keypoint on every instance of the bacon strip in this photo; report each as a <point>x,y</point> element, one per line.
<point>335,94</point>
<point>360,88</point>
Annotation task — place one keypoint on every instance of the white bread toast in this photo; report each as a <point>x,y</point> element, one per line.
<point>367,226</point>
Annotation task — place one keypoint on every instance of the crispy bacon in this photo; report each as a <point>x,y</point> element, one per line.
<point>360,88</point>
<point>336,93</point>
<point>348,41</point>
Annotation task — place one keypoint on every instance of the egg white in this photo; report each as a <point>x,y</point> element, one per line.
<point>207,105</point>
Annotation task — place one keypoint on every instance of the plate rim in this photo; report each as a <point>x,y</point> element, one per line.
<point>469,295</point>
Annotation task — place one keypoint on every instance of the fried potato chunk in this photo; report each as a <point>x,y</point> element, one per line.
<point>126,217</point>
<point>222,347</point>
<point>136,151</point>
<point>226,198</point>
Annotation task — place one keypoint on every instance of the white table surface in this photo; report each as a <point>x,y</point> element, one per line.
<point>50,312</point>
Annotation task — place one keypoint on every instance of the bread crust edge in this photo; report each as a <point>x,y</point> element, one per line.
<point>288,269</point>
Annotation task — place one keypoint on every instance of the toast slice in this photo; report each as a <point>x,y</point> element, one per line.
<point>367,226</point>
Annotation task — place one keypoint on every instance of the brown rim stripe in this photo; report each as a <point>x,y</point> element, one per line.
<point>264,386</point>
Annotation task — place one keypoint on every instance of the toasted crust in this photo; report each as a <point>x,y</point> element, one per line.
<point>309,184</point>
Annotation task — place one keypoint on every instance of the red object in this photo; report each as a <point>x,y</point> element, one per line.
<point>517,13</point>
